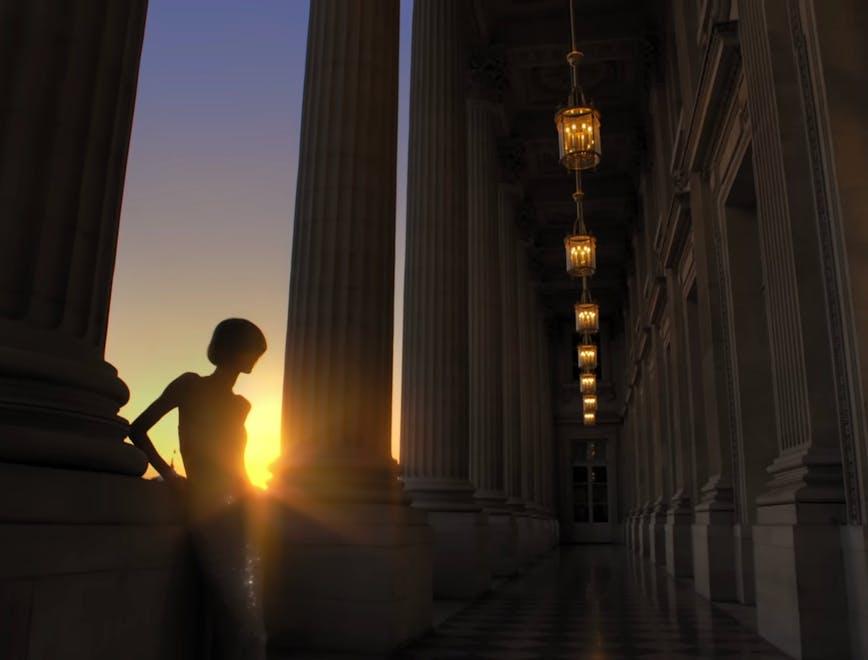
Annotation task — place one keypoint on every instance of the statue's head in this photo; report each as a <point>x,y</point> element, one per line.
<point>236,344</point>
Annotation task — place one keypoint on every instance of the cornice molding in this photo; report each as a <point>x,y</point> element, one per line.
<point>720,69</point>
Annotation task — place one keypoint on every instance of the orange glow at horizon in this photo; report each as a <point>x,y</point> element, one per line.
<point>205,231</point>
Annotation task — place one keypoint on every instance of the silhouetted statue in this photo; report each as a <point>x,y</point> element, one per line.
<point>212,439</point>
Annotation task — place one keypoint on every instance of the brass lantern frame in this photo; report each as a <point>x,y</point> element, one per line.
<point>586,353</point>
<point>587,312</point>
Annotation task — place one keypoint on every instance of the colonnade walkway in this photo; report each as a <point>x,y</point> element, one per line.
<point>594,602</point>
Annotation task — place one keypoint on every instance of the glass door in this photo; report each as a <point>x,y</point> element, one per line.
<point>590,483</point>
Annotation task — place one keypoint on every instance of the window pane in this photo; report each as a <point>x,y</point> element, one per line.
<point>596,452</point>
<point>580,474</point>
<point>601,494</point>
<point>601,513</point>
<point>580,504</point>
<point>599,474</point>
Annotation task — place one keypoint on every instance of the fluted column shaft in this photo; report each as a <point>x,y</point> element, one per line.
<point>538,403</point>
<point>510,348</point>
<point>68,74</point>
<point>547,434</point>
<point>525,374</point>
<point>337,390</point>
<point>484,305</point>
<point>793,266</point>
<point>434,406</point>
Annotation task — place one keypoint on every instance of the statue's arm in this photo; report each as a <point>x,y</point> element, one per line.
<point>167,401</point>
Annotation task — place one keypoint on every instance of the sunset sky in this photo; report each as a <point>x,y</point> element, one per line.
<point>207,215</point>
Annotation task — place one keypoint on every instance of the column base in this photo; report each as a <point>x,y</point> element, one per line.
<point>503,532</point>
<point>713,556</point>
<point>503,526</point>
<point>345,574</point>
<point>801,585</point>
<point>854,543</point>
<point>657,533</point>
<point>745,591</point>
<point>679,541</point>
<point>525,539</point>
<point>645,535</point>
<point>91,564</point>
<point>635,532</point>
<point>62,413</point>
<point>538,534</point>
<point>462,555</point>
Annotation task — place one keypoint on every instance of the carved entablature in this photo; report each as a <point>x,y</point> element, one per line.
<point>643,343</point>
<point>687,265</point>
<point>718,79</point>
<point>657,302</point>
<point>711,13</point>
<point>677,227</point>
<point>665,330</point>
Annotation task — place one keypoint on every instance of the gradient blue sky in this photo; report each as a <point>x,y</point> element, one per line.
<point>207,213</point>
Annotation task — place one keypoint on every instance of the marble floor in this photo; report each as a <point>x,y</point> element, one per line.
<point>594,602</point>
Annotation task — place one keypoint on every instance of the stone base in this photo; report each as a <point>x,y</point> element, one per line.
<point>801,584</point>
<point>713,544</point>
<point>627,534</point>
<point>645,535</point>
<point>657,534</point>
<point>854,543</point>
<point>504,542</point>
<point>801,591</point>
<point>537,543</point>
<point>744,565</point>
<point>345,576</point>
<point>94,567</point>
<point>713,558</point>
<point>462,555</point>
<point>636,533</point>
<point>679,541</point>
<point>524,522</point>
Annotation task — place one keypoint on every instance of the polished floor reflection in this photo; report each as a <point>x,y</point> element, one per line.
<point>592,602</point>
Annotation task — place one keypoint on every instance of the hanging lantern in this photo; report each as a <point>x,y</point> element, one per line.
<point>589,403</point>
<point>588,382</point>
<point>587,317</point>
<point>587,354</point>
<point>578,135</point>
<point>590,419</point>
<point>581,252</point>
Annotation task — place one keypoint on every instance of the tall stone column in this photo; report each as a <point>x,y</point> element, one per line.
<point>798,515</point>
<point>526,418</point>
<point>536,401</point>
<point>434,408</point>
<point>535,437</point>
<point>646,441</point>
<point>831,53</point>
<point>660,443</point>
<point>68,84</point>
<point>484,315</point>
<point>714,514</point>
<point>348,562</point>
<point>679,516</point>
<point>547,436</point>
<point>511,286</point>
<point>510,348</point>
